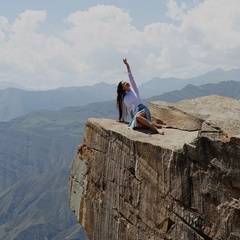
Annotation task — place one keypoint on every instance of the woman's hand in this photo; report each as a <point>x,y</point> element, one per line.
<point>126,63</point>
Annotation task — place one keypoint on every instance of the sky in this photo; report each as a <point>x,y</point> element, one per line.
<point>57,43</point>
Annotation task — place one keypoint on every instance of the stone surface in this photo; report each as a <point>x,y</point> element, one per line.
<point>222,112</point>
<point>127,184</point>
<point>165,113</point>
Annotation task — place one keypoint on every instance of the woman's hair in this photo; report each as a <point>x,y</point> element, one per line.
<point>120,95</point>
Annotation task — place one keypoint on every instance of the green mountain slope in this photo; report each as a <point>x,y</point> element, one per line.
<point>226,88</point>
<point>15,102</point>
<point>36,151</point>
<point>36,207</point>
<point>158,86</point>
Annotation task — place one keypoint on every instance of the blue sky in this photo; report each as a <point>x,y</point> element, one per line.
<point>52,43</point>
<point>141,11</point>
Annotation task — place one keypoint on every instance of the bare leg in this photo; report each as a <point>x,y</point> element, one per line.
<point>140,125</point>
<point>143,121</point>
<point>157,125</point>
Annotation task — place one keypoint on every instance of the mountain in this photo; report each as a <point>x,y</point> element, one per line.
<point>216,76</point>
<point>35,207</point>
<point>226,88</point>
<point>6,84</point>
<point>36,151</point>
<point>158,86</point>
<point>15,102</point>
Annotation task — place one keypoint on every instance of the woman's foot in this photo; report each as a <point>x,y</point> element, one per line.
<point>157,125</point>
<point>160,131</point>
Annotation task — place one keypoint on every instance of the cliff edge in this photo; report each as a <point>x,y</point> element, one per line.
<point>127,184</point>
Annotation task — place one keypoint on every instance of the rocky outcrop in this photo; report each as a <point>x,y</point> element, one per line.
<point>128,184</point>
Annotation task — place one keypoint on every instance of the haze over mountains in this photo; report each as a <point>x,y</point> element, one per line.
<point>15,102</point>
<point>225,88</point>
<point>38,140</point>
<point>36,153</point>
<point>158,86</point>
<point>5,84</point>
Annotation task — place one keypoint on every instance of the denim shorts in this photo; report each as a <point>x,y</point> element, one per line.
<point>141,107</point>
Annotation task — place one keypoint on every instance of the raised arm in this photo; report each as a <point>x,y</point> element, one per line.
<point>130,76</point>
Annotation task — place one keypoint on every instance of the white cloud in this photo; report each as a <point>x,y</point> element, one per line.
<point>3,23</point>
<point>205,37</point>
<point>175,11</point>
<point>202,36</point>
<point>214,32</point>
<point>35,59</point>
<point>102,36</point>
<point>100,27</point>
<point>28,21</point>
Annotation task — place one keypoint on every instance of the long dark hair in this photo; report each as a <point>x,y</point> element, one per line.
<point>120,95</point>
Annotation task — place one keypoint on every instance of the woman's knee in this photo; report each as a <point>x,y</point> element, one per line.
<point>142,114</point>
<point>138,117</point>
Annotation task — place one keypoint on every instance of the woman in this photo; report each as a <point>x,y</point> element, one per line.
<point>130,106</point>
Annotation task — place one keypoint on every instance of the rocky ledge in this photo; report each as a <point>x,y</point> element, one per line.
<point>127,184</point>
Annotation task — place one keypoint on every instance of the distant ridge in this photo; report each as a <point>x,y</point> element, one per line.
<point>216,76</point>
<point>158,86</point>
<point>16,101</point>
<point>6,84</point>
<point>225,88</point>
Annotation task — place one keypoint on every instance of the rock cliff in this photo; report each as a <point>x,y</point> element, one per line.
<point>128,184</point>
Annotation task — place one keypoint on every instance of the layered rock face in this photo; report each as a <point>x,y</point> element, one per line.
<point>127,184</point>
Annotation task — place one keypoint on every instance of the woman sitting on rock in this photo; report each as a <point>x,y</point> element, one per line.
<point>130,107</point>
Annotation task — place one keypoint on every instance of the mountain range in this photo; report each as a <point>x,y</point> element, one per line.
<point>158,86</point>
<point>16,101</point>
<point>225,88</point>
<point>36,151</point>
